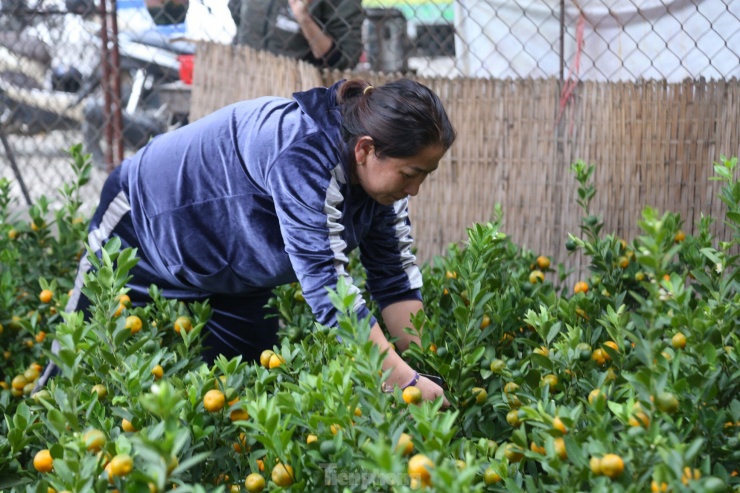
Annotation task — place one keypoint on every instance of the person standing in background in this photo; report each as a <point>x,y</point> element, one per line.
<point>325,33</point>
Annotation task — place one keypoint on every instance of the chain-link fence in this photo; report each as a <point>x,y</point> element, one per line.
<point>71,71</point>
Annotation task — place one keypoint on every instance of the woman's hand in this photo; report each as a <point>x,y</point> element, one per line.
<point>402,372</point>
<point>430,391</point>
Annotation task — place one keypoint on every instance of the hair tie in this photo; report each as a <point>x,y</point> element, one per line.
<point>368,89</point>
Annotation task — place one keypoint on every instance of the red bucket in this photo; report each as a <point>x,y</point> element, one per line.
<point>186,68</point>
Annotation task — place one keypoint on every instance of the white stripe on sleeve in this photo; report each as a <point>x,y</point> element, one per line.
<point>118,207</point>
<point>403,235</point>
<point>334,197</point>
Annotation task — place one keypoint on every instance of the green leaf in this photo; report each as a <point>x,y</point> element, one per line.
<point>702,278</point>
<point>711,254</point>
<point>109,357</point>
<point>478,354</point>
<point>63,470</point>
<point>733,216</point>
<point>710,353</point>
<point>9,482</point>
<point>542,361</point>
<point>120,335</point>
<point>723,172</point>
<point>191,461</point>
<point>22,416</point>
<point>105,276</point>
<point>56,419</point>
<point>694,449</point>
<point>553,332</point>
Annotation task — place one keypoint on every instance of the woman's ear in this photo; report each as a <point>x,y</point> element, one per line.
<point>363,148</point>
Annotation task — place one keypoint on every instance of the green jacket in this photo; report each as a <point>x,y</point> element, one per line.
<point>270,25</point>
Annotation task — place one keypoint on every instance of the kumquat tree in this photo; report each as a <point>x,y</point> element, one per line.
<point>624,380</point>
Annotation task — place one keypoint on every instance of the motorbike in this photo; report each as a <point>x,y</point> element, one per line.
<point>27,105</point>
<point>148,62</point>
<point>46,87</point>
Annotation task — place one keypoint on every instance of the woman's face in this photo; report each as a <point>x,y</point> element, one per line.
<point>389,179</point>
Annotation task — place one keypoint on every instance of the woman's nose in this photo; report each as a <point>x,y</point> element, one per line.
<point>412,188</point>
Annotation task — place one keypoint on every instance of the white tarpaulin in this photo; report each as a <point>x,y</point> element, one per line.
<point>206,20</point>
<point>622,39</point>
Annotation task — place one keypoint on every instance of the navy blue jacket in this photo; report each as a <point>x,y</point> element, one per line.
<point>256,195</point>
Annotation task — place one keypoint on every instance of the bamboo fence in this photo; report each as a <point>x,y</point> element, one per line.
<point>653,144</point>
